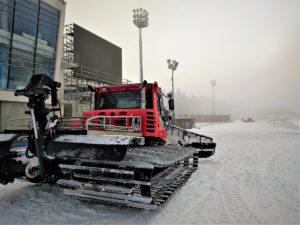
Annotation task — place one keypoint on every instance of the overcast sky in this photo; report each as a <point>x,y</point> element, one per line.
<point>250,47</point>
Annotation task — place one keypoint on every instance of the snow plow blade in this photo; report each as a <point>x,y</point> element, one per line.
<point>184,137</point>
<point>206,149</point>
<point>106,147</point>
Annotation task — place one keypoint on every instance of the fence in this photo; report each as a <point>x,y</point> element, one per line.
<point>205,118</point>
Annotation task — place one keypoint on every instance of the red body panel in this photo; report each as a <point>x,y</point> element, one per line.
<point>151,125</point>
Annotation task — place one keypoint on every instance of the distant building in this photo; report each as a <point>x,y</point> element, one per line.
<point>186,123</point>
<point>35,40</point>
<point>88,60</point>
<point>31,42</point>
<point>98,55</point>
<point>205,118</point>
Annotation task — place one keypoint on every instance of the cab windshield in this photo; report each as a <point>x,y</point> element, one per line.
<point>119,100</point>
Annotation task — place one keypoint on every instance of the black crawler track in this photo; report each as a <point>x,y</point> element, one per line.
<point>147,181</point>
<point>162,189</point>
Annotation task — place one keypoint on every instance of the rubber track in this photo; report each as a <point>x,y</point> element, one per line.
<point>180,161</point>
<point>159,155</point>
<point>163,187</point>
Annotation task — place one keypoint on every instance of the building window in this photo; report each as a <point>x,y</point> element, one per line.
<point>44,64</point>
<point>49,19</point>
<point>6,13</point>
<point>28,36</point>
<point>46,44</point>
<point>4,54</point>
<point>26,14</point>
<point>20,68</point>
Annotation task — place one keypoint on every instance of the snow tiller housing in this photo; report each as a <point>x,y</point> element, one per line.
<point>123,152</point>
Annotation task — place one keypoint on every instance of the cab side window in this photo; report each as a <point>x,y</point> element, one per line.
<point>160,108</point>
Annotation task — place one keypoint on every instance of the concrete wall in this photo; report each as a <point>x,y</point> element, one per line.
<point>75,109</point>
<point>11,110</point>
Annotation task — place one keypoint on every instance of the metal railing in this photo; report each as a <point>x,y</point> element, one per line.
<point>129,123</point>
<point>104,123</point>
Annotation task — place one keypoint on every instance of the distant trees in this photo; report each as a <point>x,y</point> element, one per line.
<point>196,104</point>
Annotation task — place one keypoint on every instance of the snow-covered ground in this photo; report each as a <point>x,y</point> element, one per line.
<point>252,179</point>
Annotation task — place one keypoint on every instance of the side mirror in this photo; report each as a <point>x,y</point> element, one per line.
<point>90,88</point>
<point>171,104</point>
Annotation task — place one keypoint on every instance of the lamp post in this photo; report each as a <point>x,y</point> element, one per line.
<point>213,84</point>
<point>172,64</point>
<point>140,19</point>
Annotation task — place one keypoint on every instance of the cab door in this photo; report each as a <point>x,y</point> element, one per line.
<point>162,132</point>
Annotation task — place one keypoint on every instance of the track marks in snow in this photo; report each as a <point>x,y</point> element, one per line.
<point>259,181</point>
<point>202,188</point>
<point>231,197</point>
<point>279,195</point>
<point>252,179</point>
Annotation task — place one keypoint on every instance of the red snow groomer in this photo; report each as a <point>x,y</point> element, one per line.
<point>135,107</point>
<point>122,152</point>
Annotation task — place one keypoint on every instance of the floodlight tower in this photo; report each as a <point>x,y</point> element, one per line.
<point>140,19</point>
<point>173,64</point>
<point>213,84</point>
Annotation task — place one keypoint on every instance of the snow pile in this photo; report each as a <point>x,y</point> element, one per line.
<point>295,122</point>
<point>289,124</point>
<point>252,179</point>
<point>6,137</point>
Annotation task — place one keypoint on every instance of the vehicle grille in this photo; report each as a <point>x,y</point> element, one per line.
<point>150,122</point>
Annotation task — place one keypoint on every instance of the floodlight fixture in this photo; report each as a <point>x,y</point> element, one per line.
<point>213,84</point>
<point>140,18</point>
<point>172,64</point>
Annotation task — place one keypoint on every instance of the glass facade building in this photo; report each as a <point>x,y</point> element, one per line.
<point>28,39</point>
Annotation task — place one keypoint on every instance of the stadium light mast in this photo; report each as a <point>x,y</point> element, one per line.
<point>213,84</point>
<point>173,64</point>
<point>140,19</point>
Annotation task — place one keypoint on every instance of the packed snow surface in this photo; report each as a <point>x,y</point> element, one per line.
<point>252,179</point>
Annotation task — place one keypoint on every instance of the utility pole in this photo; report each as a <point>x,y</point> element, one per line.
<point>173,66</point>
<point>213,84</point>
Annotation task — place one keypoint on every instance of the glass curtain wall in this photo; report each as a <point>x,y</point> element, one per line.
<point>31,33</point>
<point>47,35</point>
<point>6,17</point>
<point>23,42</point>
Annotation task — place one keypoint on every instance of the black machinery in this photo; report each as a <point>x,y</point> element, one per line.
<point>115,169</point>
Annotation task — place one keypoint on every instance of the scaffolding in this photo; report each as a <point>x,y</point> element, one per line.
<point>69,53</point>
<point>77,77</point>
<point>76,89</point>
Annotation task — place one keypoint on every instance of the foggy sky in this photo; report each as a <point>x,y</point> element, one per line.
<point>250,47</point>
